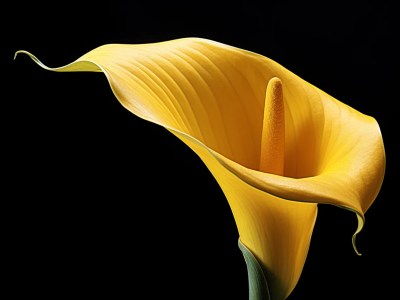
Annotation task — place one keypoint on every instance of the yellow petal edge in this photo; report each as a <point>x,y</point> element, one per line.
<point>212,96</point>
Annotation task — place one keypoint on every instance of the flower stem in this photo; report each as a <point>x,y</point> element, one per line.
<point>258,286</point>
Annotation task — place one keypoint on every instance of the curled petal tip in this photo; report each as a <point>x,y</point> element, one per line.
<point>359,227</point>
<point>24,52</point>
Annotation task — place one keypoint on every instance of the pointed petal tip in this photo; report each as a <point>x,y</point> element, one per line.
<point>77,65</point>
<point>33,57</point>
<point>360,225</point>
<point>21,51</point>
<point>355,246</point>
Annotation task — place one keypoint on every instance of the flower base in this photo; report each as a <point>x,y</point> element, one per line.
<point>258,286</point>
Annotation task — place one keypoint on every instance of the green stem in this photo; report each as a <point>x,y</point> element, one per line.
<point>258,286</point>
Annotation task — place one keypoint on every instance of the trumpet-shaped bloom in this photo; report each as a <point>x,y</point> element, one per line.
<point>277,145</point>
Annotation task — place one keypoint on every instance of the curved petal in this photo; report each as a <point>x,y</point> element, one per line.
<point>276,231</point>
<point>212,97</point>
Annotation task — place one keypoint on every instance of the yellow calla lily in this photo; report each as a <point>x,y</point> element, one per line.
<point>277,145</point>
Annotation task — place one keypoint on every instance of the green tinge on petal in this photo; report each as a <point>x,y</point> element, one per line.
<point>258,285</point>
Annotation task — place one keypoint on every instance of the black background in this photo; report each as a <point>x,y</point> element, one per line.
<point>99,203</point>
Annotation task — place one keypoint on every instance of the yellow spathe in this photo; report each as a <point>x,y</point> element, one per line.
<point>276,144</point>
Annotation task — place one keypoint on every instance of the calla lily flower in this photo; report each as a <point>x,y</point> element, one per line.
<point>277,145</point>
